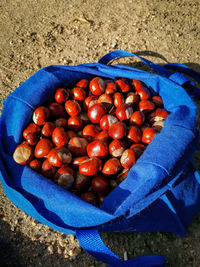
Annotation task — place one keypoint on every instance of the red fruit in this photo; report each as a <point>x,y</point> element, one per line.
<point>106,100</point>
<point>158,115</point>
<point>77,161</point>
<point>90,166</point>
<point>148,135</point>
<point>60,137</point>
<point>100,184</point>
<point>77,146</point>
<point>134,134</point>
<point>78,93</point>
<point>106,121</point>
<point>61,95</point>
<point>146,106</point>
<point>97,149</point>
<point>35,165</point>
<point>110,87</point>
<point>117,130</point>
<point>72,107</point>
<point>23,154</point>
<point>82,84</point>
<point>118,99</point>
<point>124,112</point>
<point>97,86</point>
<point>96,112</point>
<point>138,149</point>
<point>137,118</point>
<point>48,170</point>
<point>48,128</point>
<point>89,197</point>
<point>41,115</point>
<point>75,123</point>
<point>56,110</point>
<point>32,134</point>
<point>64,177</point>
<point>132,99</point>
<point>123,85</point>
<point>61,122</point>
<point>43,148</point>
<point>90,132</point>
<point>89,101</point>
<point>116,148</point>
<point>157,100</point>
<point>111,166</point>
<point>82,182</point>
<point>102,136</point>
<point>122,176</point>
<point>59,156</point>
<point>128,159</point>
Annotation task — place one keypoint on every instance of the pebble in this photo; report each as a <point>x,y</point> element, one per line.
<point>50,249</point>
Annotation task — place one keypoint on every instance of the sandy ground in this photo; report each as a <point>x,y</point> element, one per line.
<point>35,34</point>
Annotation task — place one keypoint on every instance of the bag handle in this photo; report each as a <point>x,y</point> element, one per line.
<point>91,241</point>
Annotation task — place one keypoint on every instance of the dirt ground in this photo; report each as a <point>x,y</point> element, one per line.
<point>35,34</point>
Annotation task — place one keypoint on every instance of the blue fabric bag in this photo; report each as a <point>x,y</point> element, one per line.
<point>162,191</point>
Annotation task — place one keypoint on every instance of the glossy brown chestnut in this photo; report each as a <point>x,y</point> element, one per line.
<point>71,134</point>
<point>106,100</point>
<point>134,134</point>
<point>158,125</point>
<point>97,149</point>
<point>101,198</point>
<point>61,95</point>
<point>128,159</point>
<point>158,115</point>
<point>77,161</point>
<point>56,110</point>
<point>157,100</point>
<point>90,166</point>
<point>106,121</point>
<point>41,115</point>
<point>116,148</point>
<point>89,101</point>
<point>111,166</point>
<point>97,86</point>
<point>75,123</point>
<point>77,146</point>
<point>117,130</point>
<point>60,137</point>
<point>48,128</point>
<point>82,84</point>
<point>148,135</point>
<point>35,165</point>
<point>111,87</point>
<point>43,148</point>
<point>64,177</point>
<point>137,118</point>
<point>82,182</point>
<point>118,99</point>
<point>84,117</point>
<point>32,134</point>
<point>90,132</point>
<point>78,93</point>
<point>122,176</point>
<point>100,184</point>
<point>89,197</point>
<point>144,126</point>
<point>124,112</point>
<point>142,91</point>
<point>138,149</point>
<point>123,85</point>
<point>102,136</point>
<point>23,154</point>
<point>72,107</point>
<point>96,112</point>
<point>132,99</point>
<point>48,170</point>
<point>60,122</point>
<point>146,106</point>
<point>59,156</point>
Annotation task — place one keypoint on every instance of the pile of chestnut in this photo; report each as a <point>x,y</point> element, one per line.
<point>88,137</point>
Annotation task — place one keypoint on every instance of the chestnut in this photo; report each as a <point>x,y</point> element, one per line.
<point>48,128</point>
<point>71,134</point>
<point>43,148</point>
<point>89,197</point>
<point>59,156</point>
<point>116,148</point>
<point>148,135</point>
<point>117,130</point>
<point>75,123</point>
<point>89,132</point>
<point>96,112</point>
<point>106,100</point>
<point>106,121</point>
<point>138,149</point>
<point>60,122</point>
<point>77,146</point>
<point>100,184</point>
<point>101,198</point>
<point>118,99</point>
<point>124,112</point>
<point>137,118</point>
<point>61,95</point>
<point>78,93</point>
<point>97,149</point>
<point>84,117</point>
<point>111,166</point>
<point>77,161</point>
<point>123,85</point>
<point>35,165</point>
<point>56,110</point>
<point>146,106</point>
<point>157,100</point>
<point>142,91</point>
<point>60,137</point>
<point>41,115</point>
<point>23,154</point>
<point>134,134</point>
<point>128,159</point>
<point>97,86</point>
<point>72,107</point>
<point>32,134</point>
<point>158,114</point>
<point>111,87</point>
<point>90,166</point>
<point>89,101</point>
<point>132,99</point>
<point>82,83</point>
<point>102,136</point>
<point>47,169</point>
<point>82,182</point>
<point>158,125</point>
<point>64,177</point>
<point>122,176</point>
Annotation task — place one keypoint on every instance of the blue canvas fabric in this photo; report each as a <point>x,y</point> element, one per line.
<point>162,191</point>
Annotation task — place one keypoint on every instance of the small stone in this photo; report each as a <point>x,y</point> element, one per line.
<point>50,249</point>
<point>59,250</point>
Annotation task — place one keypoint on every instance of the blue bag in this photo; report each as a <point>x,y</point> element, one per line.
<point>162,190</point>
